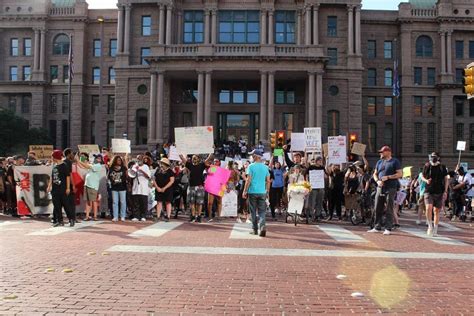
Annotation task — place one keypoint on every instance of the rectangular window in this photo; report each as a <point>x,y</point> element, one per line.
<point>431,76</point>
<point>388,77</point>
<point>146,25</point>
<point>111,104</point>
<point>431,144</point>
<point>371,77</point>
<point>459,75</point>
<point>53,74</point>
<point>238,96</point>
<point>459,133</point>
<point>417,76</point>
<point>285,96</point>
<point>12,103</point>
<point>14,47</point>
<point>388,106</point>
<point>224,96</point>
<point>459,49</point>
<point>371,106</point>
<point>96,75</point>
<point>288,122</point>
<point>252,97</point>
<point>13,73</point>
<point>65,104</point>
<point>66,74</point>
<point>193,27</point>
<point>113,48</point>
<point>97,48</point>
<point>372,137</point>
<point>471,137</point>
<point>371,49</point>
<point>285,27</point>
<point>471,49</point>
<point>53,103</point>
<point>111,75</point>
<point>144,52</point>
<point>239,27</point>
<point>25,103</point>
<point>431,106</point>
<point>332,54</point>
<point>332,26</point>
<point>94,103</point>
<point>418,137</point>
<point>27,46</point>
<point>387,50</point>
<point>26,73</point>
<point>333,123</point>
<point>417,106</point>
<point>280,97</point>
<point>290,97</point>
<point>459,106</point>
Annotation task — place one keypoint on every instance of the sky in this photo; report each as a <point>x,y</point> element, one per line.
<point>366,4</point>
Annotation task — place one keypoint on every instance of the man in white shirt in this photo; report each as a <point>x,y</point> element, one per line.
<point>140,173</point>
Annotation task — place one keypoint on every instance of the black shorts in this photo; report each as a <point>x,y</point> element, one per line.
<point>166,197</point>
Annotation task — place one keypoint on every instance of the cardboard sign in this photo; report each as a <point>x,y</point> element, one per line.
<point>173,154</point>
<point>461,146</point>
<point>407,172</point>
<point>88,149</point>
<point>312,139</point>
<point>216,181</point>
<point>358,149</point>
<point>42,151</point>
<point>337,150</point>
<point>229,204</point>
<point>316,178</point>
<point>298,141</point>
<point>122,146</point>
<point>278,152</point>
<point>400,198</point>
<point>194,140</point>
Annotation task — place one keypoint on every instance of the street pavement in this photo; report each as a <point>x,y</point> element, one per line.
<point>182,268</point>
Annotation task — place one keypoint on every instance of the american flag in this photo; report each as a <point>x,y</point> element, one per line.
<point>396,81</point>
<point>71,60</point>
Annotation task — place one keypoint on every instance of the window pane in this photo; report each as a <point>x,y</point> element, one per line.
<point>280,97</point>
<point>199,27</point>
<point>225,37</point>
<point>27,47</point>
<point>371,106</point>
<point>188,27</point>
<point>371,49</point>
<point>459,49</point>
<point>332,54</point>
<point>14,47</point>
<point>252,97</point>
<point>459,106</point>
<point>471,49</point>
<point>417,106</point>
<point>224,96</point>
<point>290,97</point>
<point>417,76</point>
<point>253,38</point>
<point>372,137</point>
<point>431,106</point>
<point>253,27</point>
<point>238,38</point>
<point>198,37</point>
<point>418,137</point>
<point>332,26</point>
<point>388,106</point>
<point>388,77</point>
<point>387,49</point>
<point>431,137</point>
<point>237,96</point>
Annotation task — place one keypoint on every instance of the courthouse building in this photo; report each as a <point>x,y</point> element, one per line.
<point>246,68</point>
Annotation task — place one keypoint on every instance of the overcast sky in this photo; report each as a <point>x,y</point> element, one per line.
<point>366,4</point>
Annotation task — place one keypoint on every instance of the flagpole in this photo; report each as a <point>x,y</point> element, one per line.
<point>69,91</point>
<point>396,94</point>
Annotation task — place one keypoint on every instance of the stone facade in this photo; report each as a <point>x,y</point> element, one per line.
<point>186,84</point>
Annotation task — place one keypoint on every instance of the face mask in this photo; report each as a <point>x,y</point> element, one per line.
<point>82,159</point>
<point>433,159</point>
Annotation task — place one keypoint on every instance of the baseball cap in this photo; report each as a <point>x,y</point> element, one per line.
<point>57,154</point>
<point>385,148</point>
<point>256,152</point>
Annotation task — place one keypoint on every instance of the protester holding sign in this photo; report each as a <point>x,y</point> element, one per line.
<point>140,173</point>
<point>60,188</point>
<point>117,177</point>
<point>316,197</point>
<point>91,186</point>
<point>164,180</point>
<point>277,176</point>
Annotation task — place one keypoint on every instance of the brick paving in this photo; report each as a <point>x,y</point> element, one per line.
<point>131,283</point>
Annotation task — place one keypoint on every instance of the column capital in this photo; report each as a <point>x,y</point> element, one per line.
<point>263,72</point>
<point>207,11</point>
<point>312,72</point>
<point>449,32</point>
<point>316,6</point>
<point>128,6</point>
<point>358,7</point>
<point>36,29</point>
<point>169,7</point>
<point>270,11</point>
<point>350,7</point>
<point>307,7</point>
<point>42,29</point>
<point>442,32</point>
<point>208,72</point>
<point>161,6</point>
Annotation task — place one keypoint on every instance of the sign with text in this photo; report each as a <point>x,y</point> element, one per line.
<point>278,152</point>
<point>312,139</point>
<point>31,191</point>
<point>194,140</point>
<point>173,154</point>
<point>42,151</point>
<point>216,180</point>
<point>461,146</point>
<point>316,178</point>
<point>88,149</point>
<point>337,150</point>
<point>298,141</point>
<point>229,204</point>
<point>358,149</point>
<point>122,146</point>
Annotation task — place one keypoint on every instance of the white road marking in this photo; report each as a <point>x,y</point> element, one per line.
<point>5,224</point>
<point>156,230</point>
<point>288,252</point>
<point>53,231</point>
<point>340,234</point>
<point>439,239</point>
<point>446,226</point>
<point>242,231</point>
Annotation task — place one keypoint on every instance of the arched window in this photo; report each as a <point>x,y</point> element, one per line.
<point>61,45</point>
<point>424,46</point>
<point>142,126</point>
<point>333,123</point>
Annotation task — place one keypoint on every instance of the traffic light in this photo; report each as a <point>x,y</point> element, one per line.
<point>273,140</point>
<point>280,138</point>
<point>468,81</point>
<point>352,139</point>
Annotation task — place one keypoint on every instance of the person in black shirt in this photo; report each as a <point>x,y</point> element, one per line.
<point>164,179</point>
<point>336,191</point>
<point>117,177</point>
<point>60,188</point>
<point>68,160</point>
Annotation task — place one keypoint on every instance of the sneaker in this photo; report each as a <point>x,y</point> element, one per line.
<point>210,220</point>
<point>115,219</point>
<point>429,232</point>
<point>435,231</point>
<point>253,232</point>
<point>192,219</point>
<point>454,218</point>
<point>263,232</point>
<point>418,222</point>
<point>143,219</point>
<point>123,219</point>
<point>167,219</point>
<point>134,219</point>
<point>373,230</point>
<point>387,232</point>
<point>198,219</point>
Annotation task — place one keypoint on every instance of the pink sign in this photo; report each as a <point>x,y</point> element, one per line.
<point>216,180</point>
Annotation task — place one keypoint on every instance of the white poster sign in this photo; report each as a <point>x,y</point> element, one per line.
<point>316,178</point>
<point>173,154</point>
<point>337,153</point>
<point>88,149</point>
<point>194,140</point>
<point>461,146</point>
<point>313,139</point>
<point>229,204</point>
<point>122,146</point>
<point>267,156</point>
<point>400,198</point>
<point>298,141</point>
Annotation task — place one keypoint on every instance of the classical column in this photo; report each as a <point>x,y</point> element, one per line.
<point>271,100</point>
<point>200,104</point>
<point>180,27</point>
<point>152,110</point>
<point>350,30</point>
<point>449,52</point>
<point>319,99</point>
<point>299,26</point>
<point>120,29</point>
<point>161,30</point>
<point>214,27</point>
<point>316,24</point>
<point>207,26</point>
<point>443,52</point>
<point>42,50</point>
<point>307,29</point>
<point>160,104</point>
<point>263,27</point>
<point>127,29</point>
<point>36,50</point>
<point>357,31</point>
<point>263,106</point>
<point>208,95</point>
<point>311,99</point>
<point>271,27</point>
<point>169,18</point>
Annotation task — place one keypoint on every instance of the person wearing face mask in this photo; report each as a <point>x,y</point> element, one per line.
<point>277,175</point>
<point>435,175</point>
<point>140,173</point>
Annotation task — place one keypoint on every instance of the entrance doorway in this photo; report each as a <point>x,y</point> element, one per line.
<point>238,126</point>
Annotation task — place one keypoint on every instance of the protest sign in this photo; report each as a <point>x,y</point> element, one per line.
<point>400,198</point>
<point>267,156</point>
<point>278,152</point>
<point>298,141</point>
<point>229,204</point>
<point>194,140</point>
<point>461,146</point>
<point>337,149</point>
<point>313,139</point>
<point>316,178</point>
<point>407,172</point>
<point>42,151</point>
<point>358,149</point>
<point>216,180</point>
<point>173,154</point>
<point>89,149</point>
<point>122,146</point>
<point>31,191</point>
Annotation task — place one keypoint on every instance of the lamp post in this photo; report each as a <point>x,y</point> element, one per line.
<point>98,114</point>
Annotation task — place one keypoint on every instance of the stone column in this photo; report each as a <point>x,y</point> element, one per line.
<point>36,50</point>
<point>214,27</point>
<point>299,26</point>
<point>449,50</point>
<point>350,30</point>
<point>169,18</point>
<point>207,26</point>
<point>316,24</point>
<point>161,30</point>
<point>319,99</point>
<point>120,29</point>
<point>208,98</point>
<point>307,29</point>
<point>42,50</point>
<point>271,101</point>
<point>311,99</point>
<point>357,31</point>
<point>160,104</point>
<point>443,52</point>
<point>263,106</point>
<point>263,27</point>
<point>180,27</point>
<point>271,27</point>
<point>152,110</point>
<point>200,104</point>
<point>127,29</point>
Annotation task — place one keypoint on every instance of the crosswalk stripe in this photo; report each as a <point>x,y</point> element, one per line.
<point>53,231</point>
<point>446,226</point>
<point>341,234</point>
<point>5,224</point>
<point>242,231</point>
<point>439,239</point>
<point>156,230</point>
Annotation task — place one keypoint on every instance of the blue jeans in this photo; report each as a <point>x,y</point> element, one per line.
<point>258,205</point>
<point>122,197</point>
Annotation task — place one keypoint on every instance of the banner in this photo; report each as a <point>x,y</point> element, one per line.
<point>229,204</point>
<point>194,140</point>
<point>337,150</point>
<point>358,149</point>
<point>316,178</point>
<point>298,141</point>
<point>121,146</point>
<point>216,180</point>
<point>42,152</point>
<point>31,191</point>
<point>89,149</point>
<point>173,154</point>
<point>313,139</point>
